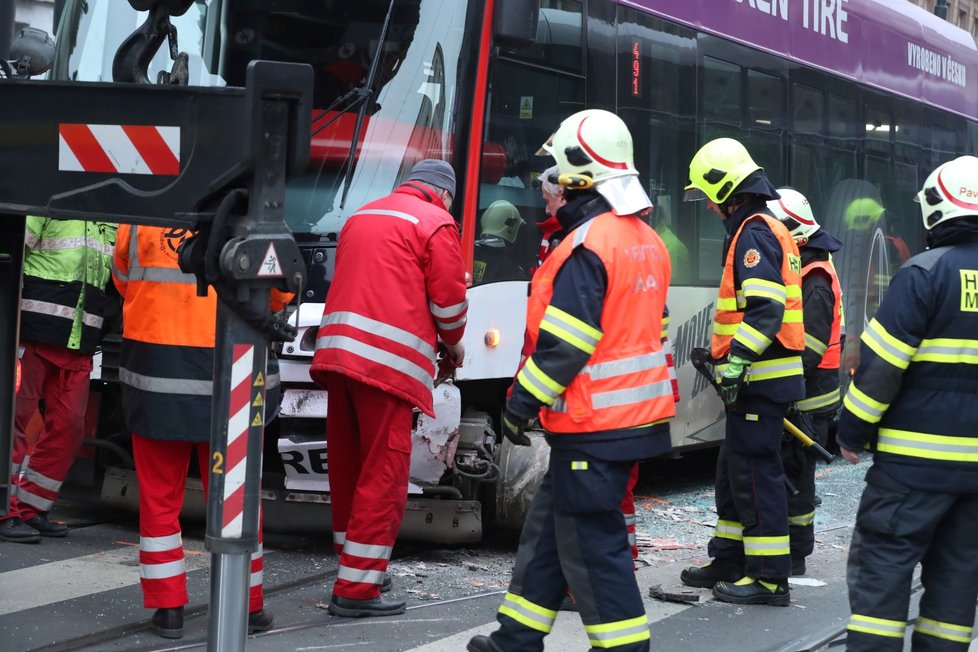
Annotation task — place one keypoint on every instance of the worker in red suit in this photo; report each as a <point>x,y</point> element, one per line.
<point>166,372</point>
<point>398,288</point>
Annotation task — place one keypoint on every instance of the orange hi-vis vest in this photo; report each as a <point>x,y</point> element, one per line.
<point>626,382</point>
<point>833,352</point>
<point>168,335</point>
<point>731,301</point>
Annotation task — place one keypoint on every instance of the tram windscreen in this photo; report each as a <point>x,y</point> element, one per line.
<point>386,76</point>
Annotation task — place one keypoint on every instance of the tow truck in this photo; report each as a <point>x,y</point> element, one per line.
<point>464,479</point>
<point>233,149</point>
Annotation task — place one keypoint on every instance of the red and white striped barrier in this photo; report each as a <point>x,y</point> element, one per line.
<point>119,149</point>
<point>236,458</point>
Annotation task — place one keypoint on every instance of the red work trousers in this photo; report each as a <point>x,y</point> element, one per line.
<point>368,451</point>
<point>60,377</point>
<point>161,467</point>
<point>628,510</point>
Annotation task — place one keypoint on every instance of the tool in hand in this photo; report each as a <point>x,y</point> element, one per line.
<point>703,363</point>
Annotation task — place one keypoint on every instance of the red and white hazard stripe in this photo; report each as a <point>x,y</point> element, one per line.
<point>119,149</point>
<point>236,458</point>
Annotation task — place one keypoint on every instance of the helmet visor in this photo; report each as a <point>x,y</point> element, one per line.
<point>694,194</point>
<point>547,148</point>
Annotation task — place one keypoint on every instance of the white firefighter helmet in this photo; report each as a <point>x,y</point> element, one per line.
<point>950,192</point>
<point>594,148</point>
<point>795,212</point>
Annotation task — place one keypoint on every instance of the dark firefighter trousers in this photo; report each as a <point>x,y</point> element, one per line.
<point>799,467</point>
<point>897,528</point>
<point>751,501</point>
<point>574,537</point>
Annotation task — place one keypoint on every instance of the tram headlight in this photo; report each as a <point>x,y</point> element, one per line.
<point>492,338</point>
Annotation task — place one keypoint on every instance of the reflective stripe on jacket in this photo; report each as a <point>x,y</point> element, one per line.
<point>398,284</point>
<point>626,382</point>
<point>66,269</point>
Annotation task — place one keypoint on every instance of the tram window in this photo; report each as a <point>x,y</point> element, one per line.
<point>807,109</point>
<point>879,127</point>
<point>972,138</point>
<point>817,171</point>
<point>560,37</point>
<point>721,91</point>
<point>944,141</point>
<point>652,57</point>
<point>662,151</point>
<point>907,134</point>
<point>843,118</point>
<point>710,245</point>
<point>766,151</point>
<point>765,98</point>
<point>526,104</point>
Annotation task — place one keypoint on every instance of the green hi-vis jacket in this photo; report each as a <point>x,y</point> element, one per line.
<point>67,264</point>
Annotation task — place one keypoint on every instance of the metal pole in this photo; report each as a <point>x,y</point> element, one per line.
<point>11,268</point>
<point>235,473</point>
<point>256,257</point>
<point>940,9</point>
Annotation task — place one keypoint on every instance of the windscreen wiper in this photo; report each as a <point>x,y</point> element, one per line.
<point>365,93</point>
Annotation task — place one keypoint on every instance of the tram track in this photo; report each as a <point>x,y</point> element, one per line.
<point>124,631</point>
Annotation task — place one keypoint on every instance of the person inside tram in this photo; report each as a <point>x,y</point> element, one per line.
<point>660,218</point>
<point>548,225</point>
<point>496,257</point>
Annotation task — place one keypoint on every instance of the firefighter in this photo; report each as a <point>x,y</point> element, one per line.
<point>495,254</point>
<point>822,300</point>
<point>166,370</point>
<point>912,403</point>
<point>66,270</point>
<point>549,227</point>
<point>399,286</point>
<point>757,341</point>
<point>599,381</point>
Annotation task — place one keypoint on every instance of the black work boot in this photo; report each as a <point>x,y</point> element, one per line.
<point>16,531</point>
<point>379,606</point>
<point>388,583</point>
<point>47,528</point>
<point>706,576</point>
<point>747,590</point>
<point>482,643</point>
<point>260,621</point>
<point>797,567</point>
<point>168,623</point>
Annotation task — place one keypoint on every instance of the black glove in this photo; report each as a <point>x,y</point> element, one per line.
<point>733,377</point>
<point>513,427</point>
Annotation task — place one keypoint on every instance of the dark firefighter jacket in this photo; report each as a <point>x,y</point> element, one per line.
<point>912,399</point>
<point>757,263</point>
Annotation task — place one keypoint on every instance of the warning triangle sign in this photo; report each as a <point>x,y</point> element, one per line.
<point>259,380</point>
<point>258,402</point>
<point>257,420</point>
<point>269,264</point>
